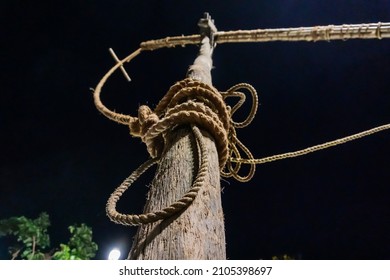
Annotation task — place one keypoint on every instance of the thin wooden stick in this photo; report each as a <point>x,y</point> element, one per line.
<point>121,67</point>
<point>313,34</point>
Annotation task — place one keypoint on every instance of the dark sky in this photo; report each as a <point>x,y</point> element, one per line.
<point>59,155</point>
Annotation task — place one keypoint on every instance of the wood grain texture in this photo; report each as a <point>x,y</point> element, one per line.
<point>198,231</point>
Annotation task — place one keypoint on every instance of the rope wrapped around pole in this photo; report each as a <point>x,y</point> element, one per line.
<point>201,105</point>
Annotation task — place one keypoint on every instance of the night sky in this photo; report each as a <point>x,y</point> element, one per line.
<point>60,155</point>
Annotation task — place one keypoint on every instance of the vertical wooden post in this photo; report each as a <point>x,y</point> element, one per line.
<point>197,232</point>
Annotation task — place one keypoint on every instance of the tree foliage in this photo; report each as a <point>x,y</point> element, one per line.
<point>80,245</point>
<point>33,240</point>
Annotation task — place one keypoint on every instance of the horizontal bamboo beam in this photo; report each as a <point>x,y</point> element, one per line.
<point>311,34</point>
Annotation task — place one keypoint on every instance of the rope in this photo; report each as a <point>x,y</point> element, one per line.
<point>190,102</point>
<point>184,202</point>
<point>202,106</point>
<point>119,118</point>
<point>312,148</point>
<point>186,102</point>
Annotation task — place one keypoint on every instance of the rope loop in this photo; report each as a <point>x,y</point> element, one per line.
<point>185,201</point>
<point>231,169</point>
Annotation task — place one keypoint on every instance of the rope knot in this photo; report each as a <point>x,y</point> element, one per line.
<point>146,118</point>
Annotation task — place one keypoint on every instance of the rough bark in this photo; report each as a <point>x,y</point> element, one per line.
<point>197,232</point>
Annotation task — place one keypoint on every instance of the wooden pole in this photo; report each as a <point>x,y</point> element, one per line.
<point>197,232</point>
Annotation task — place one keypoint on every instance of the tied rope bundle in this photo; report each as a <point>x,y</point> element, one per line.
<point>193,102</point>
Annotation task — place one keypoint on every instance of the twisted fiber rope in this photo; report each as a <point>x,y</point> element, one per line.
<point>185,201</point>
<point>119,118</point>
<point>186,102</point>
<point>312,148</point>
<point>190,101</point>
<point>204,106</point>
<point>235,144</point>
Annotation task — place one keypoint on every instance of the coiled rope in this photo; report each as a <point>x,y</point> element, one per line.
<point>199,105</point>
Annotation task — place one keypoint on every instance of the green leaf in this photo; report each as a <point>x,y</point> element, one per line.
<point>63,253</point>
<point>38,256</point>
<point>81,244</point>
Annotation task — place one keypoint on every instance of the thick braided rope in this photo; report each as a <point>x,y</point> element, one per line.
<point>184,202</point>
<point>190,102</point>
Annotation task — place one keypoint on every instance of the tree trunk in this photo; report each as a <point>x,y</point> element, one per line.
<point>197,232</point>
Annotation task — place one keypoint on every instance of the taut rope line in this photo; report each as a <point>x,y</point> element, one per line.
<point>313,148</point>
<point>201,105</point>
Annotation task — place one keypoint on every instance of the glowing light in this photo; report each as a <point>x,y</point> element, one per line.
<point>115,254</point>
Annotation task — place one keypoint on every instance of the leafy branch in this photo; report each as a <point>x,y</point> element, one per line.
<point>33,240</point>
